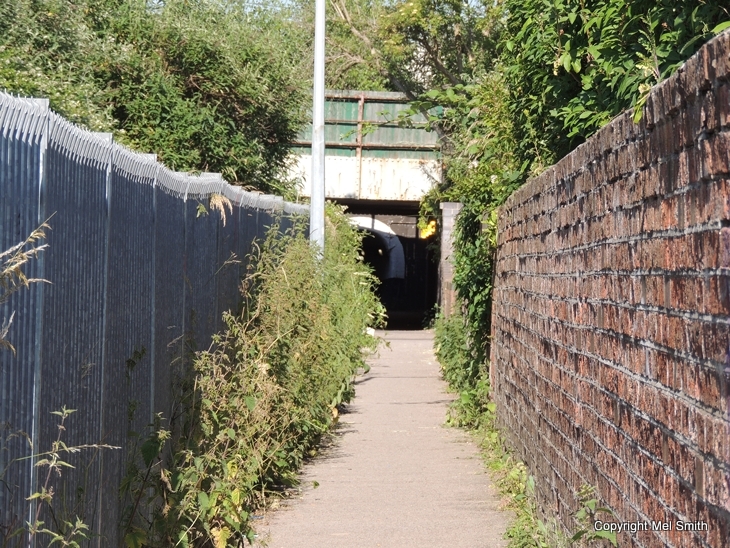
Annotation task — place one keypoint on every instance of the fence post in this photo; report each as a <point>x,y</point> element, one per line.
<point>108,137</point>
<point>447,295</point>
<point>43,106</point>
<point>153,347</point>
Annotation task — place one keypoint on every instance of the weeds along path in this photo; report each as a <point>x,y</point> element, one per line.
<point>394,476</point>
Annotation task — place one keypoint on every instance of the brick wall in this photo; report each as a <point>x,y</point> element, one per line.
<point>611,318</point>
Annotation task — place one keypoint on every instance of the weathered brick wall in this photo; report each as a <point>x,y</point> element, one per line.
<point>611,327</point>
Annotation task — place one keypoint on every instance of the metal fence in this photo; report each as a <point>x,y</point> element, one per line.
<point>137,271</point>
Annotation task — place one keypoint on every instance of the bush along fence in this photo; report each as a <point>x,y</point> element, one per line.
<point>263,394</point>
<point>141,264</point>
<point>610,358</point>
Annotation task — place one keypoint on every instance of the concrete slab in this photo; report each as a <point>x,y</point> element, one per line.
<point>394,476</point>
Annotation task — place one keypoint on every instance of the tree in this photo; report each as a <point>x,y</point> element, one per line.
<point>205,84</point>
<point>572,65</point>
<point>205,90</point>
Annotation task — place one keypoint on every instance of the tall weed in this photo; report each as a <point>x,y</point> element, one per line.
<point>475,411</point>
<point>261,395</point>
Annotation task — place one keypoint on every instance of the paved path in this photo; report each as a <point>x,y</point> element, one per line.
<point>395,476</point>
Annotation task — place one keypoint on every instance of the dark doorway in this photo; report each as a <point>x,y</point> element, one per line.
<point>410,299</point>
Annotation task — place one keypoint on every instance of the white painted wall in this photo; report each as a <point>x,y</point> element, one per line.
<point>380,178</point>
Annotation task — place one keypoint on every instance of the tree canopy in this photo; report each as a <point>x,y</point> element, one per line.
<point>223,85</point>
<point>208,86</point>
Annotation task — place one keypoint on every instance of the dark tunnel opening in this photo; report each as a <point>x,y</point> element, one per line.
<point>406,269</point>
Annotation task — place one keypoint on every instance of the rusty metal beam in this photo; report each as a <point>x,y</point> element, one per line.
<point>372,146</point>
<point>360,112</point>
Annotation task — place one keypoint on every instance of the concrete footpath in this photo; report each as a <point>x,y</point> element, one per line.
<point>393,476</point>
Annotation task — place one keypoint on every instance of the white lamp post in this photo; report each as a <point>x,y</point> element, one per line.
<point>316,211</point>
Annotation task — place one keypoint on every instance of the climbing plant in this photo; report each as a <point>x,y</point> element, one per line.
<point>572,65</point>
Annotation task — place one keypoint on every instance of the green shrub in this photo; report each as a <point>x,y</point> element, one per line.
<point>262,395</point>
<point>572,66</point>
<point>206,85</point>
<point>452,351</point>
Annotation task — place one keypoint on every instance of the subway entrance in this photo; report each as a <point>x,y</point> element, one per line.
<point>403,260</point>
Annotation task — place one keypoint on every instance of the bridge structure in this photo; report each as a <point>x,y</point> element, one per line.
<point>380,168</point>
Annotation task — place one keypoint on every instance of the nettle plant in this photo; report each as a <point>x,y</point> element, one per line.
<point>257,401</point>
<point>67,532</point>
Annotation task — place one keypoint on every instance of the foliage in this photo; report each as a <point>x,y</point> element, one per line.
<point>204,90</point>
<point>12,277</point>
<point>474,410</point>
<point>481,171</point>
<point>473,263</point>
<point>65,533</point>
<point>353,52</point>
<point>586,518</point>
<point>478,145</point>
<point>46,50</point>
<point>205,86</point>
<point>572,65</point>
<point>452,351</point>
<point>264,392</point>
<point>439,43</point>
<point>558,71</point>
<point>407,45</point>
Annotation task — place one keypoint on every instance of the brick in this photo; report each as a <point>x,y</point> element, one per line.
<point>722,93</point>
<point>724,244</point>
<point>715,155</point>
<point>609,359</point>
<point>709,117</point>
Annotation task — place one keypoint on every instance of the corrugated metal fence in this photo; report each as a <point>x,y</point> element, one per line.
<point>136,274</point>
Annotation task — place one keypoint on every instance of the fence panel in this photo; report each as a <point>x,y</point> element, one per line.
<point>169,287</point>
<point>227,275</point>
<point>200,238</point>
<point>141,268</point>
<point>21,158</point>
<point>71,369</point>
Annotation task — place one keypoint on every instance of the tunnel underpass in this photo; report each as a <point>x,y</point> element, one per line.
<point>404,262</point>
<point>380,168</point>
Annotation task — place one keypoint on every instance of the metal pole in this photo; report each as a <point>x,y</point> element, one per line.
<point>316,211</point>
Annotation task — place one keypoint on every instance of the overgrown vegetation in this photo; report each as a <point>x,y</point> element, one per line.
<point>208,86</point>
<point>223,85</point>
<point>14,263</point>
<point>260,397</point>
<point>546,76</point>
<point>571,66</point>
<point>61,530</point>
<point>553,73</point>
<point>475,411</point>
<point>13,278</point>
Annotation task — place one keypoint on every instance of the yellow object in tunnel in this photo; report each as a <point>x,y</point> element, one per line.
<point>429,230</point>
